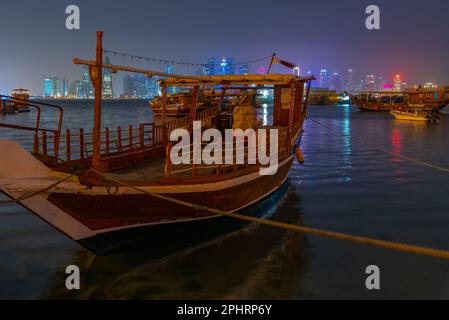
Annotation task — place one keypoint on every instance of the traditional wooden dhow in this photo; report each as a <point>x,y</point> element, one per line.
<point>432,100</point>
<point>98,187</point>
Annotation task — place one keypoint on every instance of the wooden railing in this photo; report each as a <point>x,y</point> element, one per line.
<point>69,147</point>
<point>39,133</point>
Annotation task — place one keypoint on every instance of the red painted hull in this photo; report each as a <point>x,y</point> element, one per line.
<point>108,212</point>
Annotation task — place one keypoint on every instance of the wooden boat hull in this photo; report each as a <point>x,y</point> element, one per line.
<point>409,117</point>
<point>162,239</point>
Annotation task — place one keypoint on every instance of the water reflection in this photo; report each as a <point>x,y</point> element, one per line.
<point>346,136</point>
<point>250,262</point>
<point>265,114</point>
<point>396,141</point>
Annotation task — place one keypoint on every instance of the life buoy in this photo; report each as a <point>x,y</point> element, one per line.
<point>299,155</point>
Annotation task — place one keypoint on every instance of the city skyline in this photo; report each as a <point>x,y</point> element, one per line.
<point>139,86</point>
<point>386,52</point>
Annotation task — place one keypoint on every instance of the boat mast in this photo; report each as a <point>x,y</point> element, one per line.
<point>96,74</point>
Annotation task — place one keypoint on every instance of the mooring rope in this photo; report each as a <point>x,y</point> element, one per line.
<point>416,161</point>
<point>436,253</point>
<point>35,193</point>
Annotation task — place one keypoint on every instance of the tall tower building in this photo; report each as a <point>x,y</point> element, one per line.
<point>52,87</point>
<point>227,66</point>
<point>350,83</point>
<point>211,66</point>
<point>88,88</point>
<point>129,88</point>
<point>107,81</point>
<point>336,83</point>
<point>170,70</point>
<point>324,79</point>
<point>65,87</point>
<point>76,89</point>
<point>244,69</point>
<point>397,83</point>
<point>370,83</point>
<point>380,84</point>
<point>48,89</point>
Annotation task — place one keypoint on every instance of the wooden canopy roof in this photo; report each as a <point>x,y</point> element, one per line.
<point>258,80</point>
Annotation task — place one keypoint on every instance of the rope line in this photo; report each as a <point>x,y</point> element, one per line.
<point>423,163</point>
<point>424,251</point>
<point>35,193</point>
<point>416,161</point>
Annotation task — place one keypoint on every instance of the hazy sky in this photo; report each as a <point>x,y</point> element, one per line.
<point>413,39</point>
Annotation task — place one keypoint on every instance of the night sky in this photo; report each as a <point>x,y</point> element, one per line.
<point>413,40</point>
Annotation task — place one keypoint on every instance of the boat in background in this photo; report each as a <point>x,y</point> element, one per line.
<point>16,103</point>
<point>412,99</point>
<point>20,97</point>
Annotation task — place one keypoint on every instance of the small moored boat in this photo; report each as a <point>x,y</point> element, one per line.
<point>415,115</point>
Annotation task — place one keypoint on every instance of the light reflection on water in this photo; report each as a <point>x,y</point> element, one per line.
<point>347,184</point>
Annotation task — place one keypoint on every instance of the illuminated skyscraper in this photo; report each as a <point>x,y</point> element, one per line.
<point>140,86</point>
<point>336,83</point>
<point>170,70</point>
<point>350,83</point>
<point>65,87</point>
<point>76,89</point>
<point>202,71</point>
<point>227,66</point>
<point>244,69</point>
<point>211,66</point>
<point>129,88</point>
<point>370,83</point>
<point>324,79</point>
<point>107,81</point>
<point>88,88</point>
<point>52,87</point>
<point>397,83</point>
<point>48,91</point>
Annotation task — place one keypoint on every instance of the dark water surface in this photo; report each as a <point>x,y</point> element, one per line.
<point>348,184</point>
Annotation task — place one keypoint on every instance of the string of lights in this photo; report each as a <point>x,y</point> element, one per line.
<point>177,63</point>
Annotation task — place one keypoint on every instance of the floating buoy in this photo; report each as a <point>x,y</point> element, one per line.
<point>299,155</point>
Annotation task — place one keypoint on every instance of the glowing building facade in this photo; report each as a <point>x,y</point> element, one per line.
<point>324,79</point>
<point>107,81</point>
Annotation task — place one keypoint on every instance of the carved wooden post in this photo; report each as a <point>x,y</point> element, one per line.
<point>130,137</point>
<point>153,134</point>
<point>82,144</point>
<point>167,160</point>
<point>67,145</point>
<point>36,142</point>
<point>141,136</point>
<point>56,139</point>
<point>96,74</point>
<point>44,143</point>
<point>119,138</point>
<point>107,141</point>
